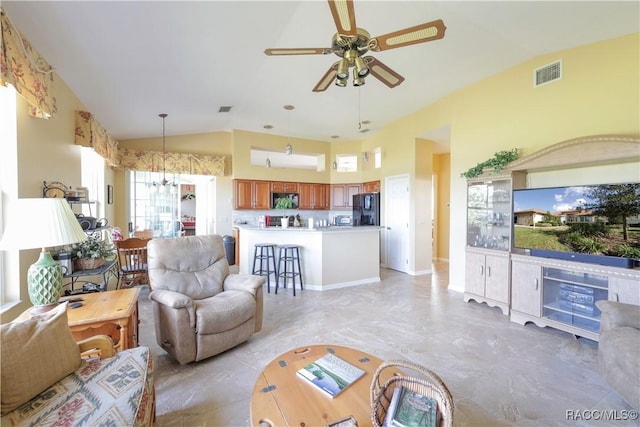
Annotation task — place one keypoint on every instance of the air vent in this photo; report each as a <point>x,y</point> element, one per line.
<point>224,109</point>
<point>547,73</point>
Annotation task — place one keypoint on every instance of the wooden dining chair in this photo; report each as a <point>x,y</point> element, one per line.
<point>132,261</point>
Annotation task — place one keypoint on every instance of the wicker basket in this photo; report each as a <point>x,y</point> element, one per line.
<point>88,263</point>
<point>426,383</point>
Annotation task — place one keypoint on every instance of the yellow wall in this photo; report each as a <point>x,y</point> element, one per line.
<point>422,215</point>
<point>598,94</point>
<point>441,167</point>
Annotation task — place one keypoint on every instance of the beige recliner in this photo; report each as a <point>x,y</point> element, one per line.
<point>200,309</point>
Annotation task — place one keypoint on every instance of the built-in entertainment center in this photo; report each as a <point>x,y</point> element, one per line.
<point>526,253</point>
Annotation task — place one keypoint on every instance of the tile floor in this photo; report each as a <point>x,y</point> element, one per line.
<point>500,373</point>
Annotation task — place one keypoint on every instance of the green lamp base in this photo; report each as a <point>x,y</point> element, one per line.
<point>44,280</point>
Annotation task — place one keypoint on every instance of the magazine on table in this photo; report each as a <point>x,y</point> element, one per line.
<point>331,374</point>
<point>410,409</point>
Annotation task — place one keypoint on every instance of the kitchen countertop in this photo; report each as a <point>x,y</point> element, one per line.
<point>330,257</point>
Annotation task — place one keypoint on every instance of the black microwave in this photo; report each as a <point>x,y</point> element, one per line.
<point>293,196</point>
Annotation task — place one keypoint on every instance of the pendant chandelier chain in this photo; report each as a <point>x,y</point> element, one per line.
<point>164,185</point>
<point>359,106</point>
<point>289,148</point>
<point>164,152</point>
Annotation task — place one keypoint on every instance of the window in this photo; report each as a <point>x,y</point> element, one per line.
<point>152,209</point>
<point>377,153</point>
<point>93,179</point>
<point>8,190</point>
<point>346,162</point>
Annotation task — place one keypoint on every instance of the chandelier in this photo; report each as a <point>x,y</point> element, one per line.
<point>164,185</point>
<point>288,149</point>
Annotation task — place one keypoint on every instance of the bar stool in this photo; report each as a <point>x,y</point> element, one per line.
<point>288,263</point>
<point>263,254</point>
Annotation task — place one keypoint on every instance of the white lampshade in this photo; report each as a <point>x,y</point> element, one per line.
<point>41,223</point>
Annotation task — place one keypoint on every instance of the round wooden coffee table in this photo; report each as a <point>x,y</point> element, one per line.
<point>282,398</point>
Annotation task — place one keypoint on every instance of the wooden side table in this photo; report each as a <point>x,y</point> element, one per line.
<point>282,398</point>
<point>113,313</point>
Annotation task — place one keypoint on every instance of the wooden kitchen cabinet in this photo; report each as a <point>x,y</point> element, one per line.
<point>342,195</point>
<point>284,187</point>
<point>249,194</point>
<point>313,196</point>
<point>371,187</point>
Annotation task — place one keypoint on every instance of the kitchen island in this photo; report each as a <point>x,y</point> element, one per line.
<point>331,257</point>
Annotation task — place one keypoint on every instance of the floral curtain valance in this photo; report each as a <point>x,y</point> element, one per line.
<point>90,133</point>
<point>185,163</point>
<point>22,67</point>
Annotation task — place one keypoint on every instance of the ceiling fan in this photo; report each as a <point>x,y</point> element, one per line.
<point>350,43</point>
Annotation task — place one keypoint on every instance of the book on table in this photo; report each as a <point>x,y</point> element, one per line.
<point>331,374</point>
<point>410,409</point>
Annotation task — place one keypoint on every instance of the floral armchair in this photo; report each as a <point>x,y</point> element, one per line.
<point>45,381</point>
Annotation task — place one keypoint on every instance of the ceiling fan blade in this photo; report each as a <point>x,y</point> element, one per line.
<point>383,73</point>
<point>297,51</point>
<point>426,32</point>
<point>328,78</point>
<point>344,16</point>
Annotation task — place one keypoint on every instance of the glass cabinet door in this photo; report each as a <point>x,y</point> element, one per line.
<point>489,215</point>
<point>570,297</point>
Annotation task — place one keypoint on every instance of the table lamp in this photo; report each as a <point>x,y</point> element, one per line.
<point>42,223</point>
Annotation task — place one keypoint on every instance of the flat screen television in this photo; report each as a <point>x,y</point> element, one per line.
<point>597,224</point>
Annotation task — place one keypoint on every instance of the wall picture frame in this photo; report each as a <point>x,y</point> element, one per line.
<point>110,194</point>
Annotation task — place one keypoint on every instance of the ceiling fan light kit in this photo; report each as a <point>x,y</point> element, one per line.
<point>351,43</point>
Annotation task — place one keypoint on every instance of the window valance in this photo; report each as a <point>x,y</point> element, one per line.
<point>184,163</point>
<point>90,133</point>
<point>22,67</point>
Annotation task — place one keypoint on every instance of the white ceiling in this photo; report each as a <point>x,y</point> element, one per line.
<point>129,61</point>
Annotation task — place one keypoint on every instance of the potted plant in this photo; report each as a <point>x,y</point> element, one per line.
<point>91,253</point>
<point>284,203</point>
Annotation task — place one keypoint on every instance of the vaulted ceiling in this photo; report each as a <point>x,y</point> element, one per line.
<point>129,61</point>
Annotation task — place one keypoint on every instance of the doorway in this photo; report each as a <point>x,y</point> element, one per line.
<point>397,222</point>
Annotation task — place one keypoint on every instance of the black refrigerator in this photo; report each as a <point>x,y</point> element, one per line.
<point>366,209</point>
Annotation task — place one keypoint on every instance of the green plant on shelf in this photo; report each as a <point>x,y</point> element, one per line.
<point>93,249</point>
<point>497,162</point>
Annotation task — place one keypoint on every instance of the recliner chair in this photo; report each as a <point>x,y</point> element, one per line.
<point>200,309</point>
<point>619,349</point>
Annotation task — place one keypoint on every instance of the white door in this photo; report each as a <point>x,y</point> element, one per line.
<point>397,222</point>
<point>206,206</point>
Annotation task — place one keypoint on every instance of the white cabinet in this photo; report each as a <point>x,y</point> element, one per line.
<point>563,294</point>
<point>625,290</point>
<point>489,240</point>
<point>487,278</point>
<point>526,290</point>
<point>549,292</point>
<point>569,300</point>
